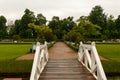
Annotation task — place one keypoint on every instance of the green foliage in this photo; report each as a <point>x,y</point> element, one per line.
<point>84,30</point>
<point>66,25</point>
<point>73,36</point>
<point>40,20</point>
<point>3,31</point>
<point>2,22</point>
<point>17,26</point>
<point>117,26</point>
<point>96,25</point>
<point>29,33</point>
<point>55,25</point>
<point>43,32</point>
<point>97,16</point>
<point>16,37</point>
<point>27,18</point>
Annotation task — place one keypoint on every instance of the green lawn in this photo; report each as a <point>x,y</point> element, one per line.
<point>111,67</point>
<point>8,54</point>
<point>11,51</point>
<point>111,51</point>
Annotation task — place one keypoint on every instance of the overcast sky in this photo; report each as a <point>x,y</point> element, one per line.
<point>14,9</point>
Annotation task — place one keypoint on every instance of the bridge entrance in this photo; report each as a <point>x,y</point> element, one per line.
<point>63,63</point>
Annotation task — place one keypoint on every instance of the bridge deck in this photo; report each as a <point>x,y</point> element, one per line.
<point>63,65</point>
<point>65,69</point>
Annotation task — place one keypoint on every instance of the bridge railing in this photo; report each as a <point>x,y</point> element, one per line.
<point>88,56</point>
<point>40,60</point>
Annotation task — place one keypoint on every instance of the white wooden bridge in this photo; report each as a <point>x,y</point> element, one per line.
<point>86,67</point>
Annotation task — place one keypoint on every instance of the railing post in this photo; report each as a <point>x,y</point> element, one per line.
<point>34,69</point>
<point>99,64</point>
<point>46,50</point>
<point>89,57</point>
<point>40,60</point>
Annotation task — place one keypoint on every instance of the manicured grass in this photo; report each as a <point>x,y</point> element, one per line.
<point>11,51</point>
<point>8,54</point>
<point>111,51</point>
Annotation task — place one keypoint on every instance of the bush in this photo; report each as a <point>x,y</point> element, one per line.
<point>16,37</point>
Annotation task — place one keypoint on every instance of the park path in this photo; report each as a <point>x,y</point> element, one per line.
<point>58,51</point>
<point>61,51</point>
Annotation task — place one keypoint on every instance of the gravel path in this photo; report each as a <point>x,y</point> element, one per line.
<point>61,51</point>
<point>58,51</point>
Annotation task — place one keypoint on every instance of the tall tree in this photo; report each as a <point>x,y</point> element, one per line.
<point>17,26</point>
<point>3,31</point>
<point>97,16</point>
<point>40,19</point>
<point>111,30</point>
<point>2,22</point>
<point>66,25</point>
<point>117,26</point>
<point>27,18</point>
<point>55,25</point>
<point>83,31</point>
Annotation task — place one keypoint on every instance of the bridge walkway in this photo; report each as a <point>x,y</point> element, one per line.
<point>63,65</point>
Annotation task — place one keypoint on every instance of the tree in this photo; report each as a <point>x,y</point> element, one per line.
<point>117,26</point>
<point>43,32</point>
<point>97,16</point>
<point>55,25</point>
<point>27,18</point>
<point>111,30</point>
<point>3,31</point>
<point>73,36</point>
<point>85,30</point>
<point>2,22</point>
<point>40,20</point>
<point>16,37</point>
<point>17,26</point>
<point>66,25</point>
<point>29,33</point>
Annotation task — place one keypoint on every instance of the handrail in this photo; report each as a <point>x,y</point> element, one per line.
<point>40,60</point>
<point>88,56</point>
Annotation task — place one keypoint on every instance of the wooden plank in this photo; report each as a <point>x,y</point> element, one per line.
<point>65,69</point>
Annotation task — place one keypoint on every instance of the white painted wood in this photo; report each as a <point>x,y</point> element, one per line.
<point>89,57</point>
<point>40,60</point>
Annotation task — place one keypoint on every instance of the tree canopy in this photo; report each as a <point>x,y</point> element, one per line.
<point>97,25</point>
<point>43,32</point>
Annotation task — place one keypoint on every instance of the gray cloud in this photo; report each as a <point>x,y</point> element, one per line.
<point>14,9</point>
